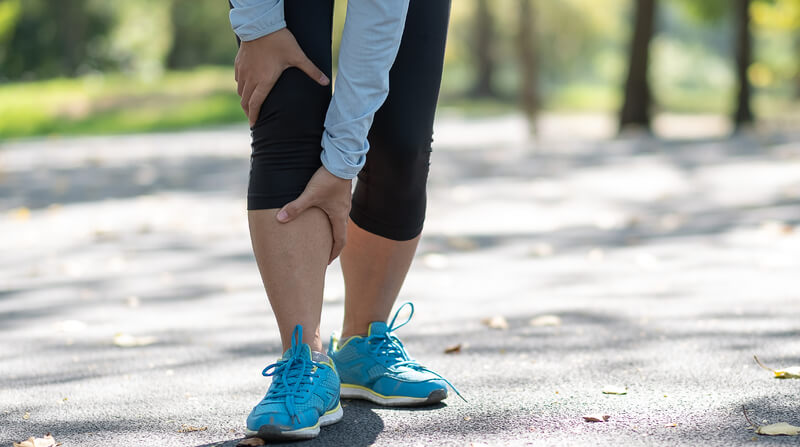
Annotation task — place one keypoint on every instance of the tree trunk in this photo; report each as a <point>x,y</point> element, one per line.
<point>743,115</point>
<point>636,107</point>
<point>484,60</point>
<point>527,63</point>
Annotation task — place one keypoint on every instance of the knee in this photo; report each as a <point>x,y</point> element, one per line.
<point>401,155</point>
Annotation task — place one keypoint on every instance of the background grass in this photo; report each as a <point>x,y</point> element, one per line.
<point>206,96</point>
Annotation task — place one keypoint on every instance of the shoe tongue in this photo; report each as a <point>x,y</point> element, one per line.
<point>378,328</point>
<point>303,350</point>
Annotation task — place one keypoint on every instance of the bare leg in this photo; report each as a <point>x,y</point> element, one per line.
<point>374,269</point>
<point>292,258</point>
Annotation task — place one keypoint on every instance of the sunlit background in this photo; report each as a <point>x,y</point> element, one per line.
<point>94,66</point>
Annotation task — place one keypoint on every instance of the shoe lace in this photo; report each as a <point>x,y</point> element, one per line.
<point>293,376</point>
<point>388,346</point>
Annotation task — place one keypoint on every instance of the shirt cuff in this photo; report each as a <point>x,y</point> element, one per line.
<point>338,162</point>
<point>251,21</point>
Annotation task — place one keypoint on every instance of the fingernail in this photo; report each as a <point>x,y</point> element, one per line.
<point>282,215</point>
<point>324,79</point>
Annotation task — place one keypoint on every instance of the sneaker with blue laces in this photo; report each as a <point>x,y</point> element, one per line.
<point>303,396</point>
<point>377,368</point>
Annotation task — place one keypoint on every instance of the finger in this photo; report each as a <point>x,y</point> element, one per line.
<point>256,100</point>
<point>240,84</point>
<point>247,93</point>
<point>308,67</point>
<point>293,209</point>
<point>339,227</point>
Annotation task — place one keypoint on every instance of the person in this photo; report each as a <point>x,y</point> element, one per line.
<point>308,144</point>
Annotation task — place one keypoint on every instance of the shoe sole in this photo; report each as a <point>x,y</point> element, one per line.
<point>275,433</point>
<point>358,392</point>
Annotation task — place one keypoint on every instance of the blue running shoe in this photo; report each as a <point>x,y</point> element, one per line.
<point>303,396</point>
<point>378,369</point>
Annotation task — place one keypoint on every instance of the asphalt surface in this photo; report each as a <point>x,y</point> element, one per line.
<point>669,263</point>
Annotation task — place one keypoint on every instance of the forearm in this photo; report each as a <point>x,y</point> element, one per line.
<point>370,41</point>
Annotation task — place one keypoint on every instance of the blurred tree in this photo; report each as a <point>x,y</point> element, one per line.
<point>527,63</point>
<point>142,36</point>
<point>743,114</point>
<point>198,27</point>
<point>636,106</point>
<point>42,39</point>
<point>484,61</point>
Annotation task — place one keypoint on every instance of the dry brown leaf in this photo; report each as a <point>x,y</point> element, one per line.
<point>777,227</point>
<point>454,349</point>
<point>615,389</point>
<point>462,243</point>
<point>546,320</point>
<point>596,418</point>
<point>190,428</point>
<point>779,429</point>
<point>129,341</point>
<point>21,213</point>
<point>496,322</point>
<point>793,372</point>
<point>47,441</point>
<point>251,442</point>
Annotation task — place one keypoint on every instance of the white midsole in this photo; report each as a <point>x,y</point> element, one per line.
<point>360,393</point>
<point>308,432</point>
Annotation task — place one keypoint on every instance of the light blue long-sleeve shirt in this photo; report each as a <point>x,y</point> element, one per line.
<point>370,40</point>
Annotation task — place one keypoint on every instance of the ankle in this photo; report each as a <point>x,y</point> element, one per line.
<point>347,333</point>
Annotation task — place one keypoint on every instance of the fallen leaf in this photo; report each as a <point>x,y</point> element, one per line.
<point>129,341</point>
<point>793,372</point>
<point>546,320</point>
<point>251,442</point>
<point>541,250</point>
<point>21,213</point>
<point>26,416</point>
<point>455,349</point>
<point>781,428</point>
<point>596,418</point>
<point>70,326</point>
<point>190,428</point>
<point>133,301</point>
<point>47,441</point>
<point>671,425</point>
<point>614,389</point>
<point>496,322</point>
<point>777,227</point>
<point>462,243</point>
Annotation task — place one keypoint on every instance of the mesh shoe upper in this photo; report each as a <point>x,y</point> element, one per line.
<point>302,390</point>
<point>380,363</point>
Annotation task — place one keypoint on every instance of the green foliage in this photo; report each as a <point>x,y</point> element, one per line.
<point>51,38</point>
<point>705,10</point>
<point>201,34</point>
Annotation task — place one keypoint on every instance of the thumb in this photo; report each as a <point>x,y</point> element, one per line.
<point>293,209</point>
<point>308,67</point>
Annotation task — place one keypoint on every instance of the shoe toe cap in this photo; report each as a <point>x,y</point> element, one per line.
<point>280,419</point>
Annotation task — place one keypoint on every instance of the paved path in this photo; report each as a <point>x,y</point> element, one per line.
<point>669,264</point>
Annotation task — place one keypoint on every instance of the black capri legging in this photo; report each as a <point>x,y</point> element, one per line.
<point>390,198</point>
